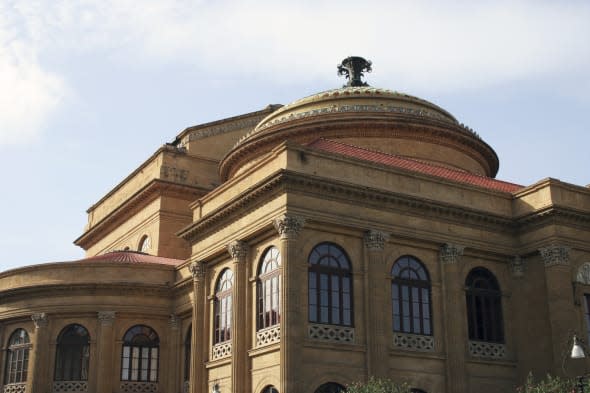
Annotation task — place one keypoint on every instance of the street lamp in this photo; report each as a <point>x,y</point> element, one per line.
<point>578,353</point>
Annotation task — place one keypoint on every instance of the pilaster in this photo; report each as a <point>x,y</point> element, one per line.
<point>174,352</point>
<point>454,304</point>
<point>38,380</point>
<point>199,342</point>
<point>292,320</point>
<point>106,342</point>
<point>238,251</point>
<point>375,303</point>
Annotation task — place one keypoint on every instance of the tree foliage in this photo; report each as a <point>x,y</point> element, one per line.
<point>550,384</point>
<point>378,385</point>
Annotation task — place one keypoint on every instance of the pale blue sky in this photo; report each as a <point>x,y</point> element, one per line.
<point>90,89</point>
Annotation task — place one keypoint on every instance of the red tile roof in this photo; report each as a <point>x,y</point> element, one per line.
<point>131,257</point>
<point>413,165</point>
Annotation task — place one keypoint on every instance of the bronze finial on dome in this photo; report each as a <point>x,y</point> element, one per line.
<point>353,68</point>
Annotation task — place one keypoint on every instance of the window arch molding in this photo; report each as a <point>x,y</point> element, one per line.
<point>17,357</point>
<point>72,354</point>
<point>145,243</point>
<point>411,296</point>
<point>222,306</point>
<point>140,354</point>
<point>484,306</point>
<point>330,288</point>
<point>268,289</point>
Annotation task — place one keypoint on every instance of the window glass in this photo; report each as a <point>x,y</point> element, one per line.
<point>484,306</point>
<point>139,356</point>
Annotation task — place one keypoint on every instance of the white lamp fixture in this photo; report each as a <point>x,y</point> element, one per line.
<point>577,350</point>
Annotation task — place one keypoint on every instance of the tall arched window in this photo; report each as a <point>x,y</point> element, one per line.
<point>330,387</point>
<point>330,285</point>
<point>145,244</point>
<point>410,295</point>
<point>484,306</point>
<point>268,289</point>
<point>187,353</point>
<point>72,354</point>
<point>223,307</point>
<point>269,389</point>
<point>17,357</point>
<point>140,355</point>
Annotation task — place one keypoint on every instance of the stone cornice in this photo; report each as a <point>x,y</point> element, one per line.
<point>156,188</point>
<point>555,215</point>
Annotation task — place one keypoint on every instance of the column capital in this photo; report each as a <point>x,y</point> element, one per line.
<point>288,226</point>
<point>238,250</point>
<point>174,322</point>
<point>517,266</point>
<point>450,253</point>
<point>197,269</point>
<point>375,240</point>
<point>106,318</point>
<point>555,255</point>
<point>40,320</point>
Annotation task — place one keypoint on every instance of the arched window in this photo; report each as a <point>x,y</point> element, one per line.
<point>187,353</point>
<point>223,307</point>
<point>139,358</point>
<point>484,306</point>
<point>145,244</point>
<point>270,389</point>
<point>330,387</point>
<point>72,354</point>
<point>330,285</point>
<point>410,295</point>
<point>416,390</point>
<point>17,357</point>
<point>268,289</point>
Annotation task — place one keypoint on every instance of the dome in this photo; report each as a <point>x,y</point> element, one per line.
<point>372,118</point>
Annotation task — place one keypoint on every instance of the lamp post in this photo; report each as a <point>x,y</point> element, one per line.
<point>578,353</point>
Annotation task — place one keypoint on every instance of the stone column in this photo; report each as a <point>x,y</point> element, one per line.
<point>105,344</point>
<point>173,368</point>
<point>239,329</point>
<point>293,271</point>
<point>454,320</point>
<point>560,299</point>
<point>38,358</point>
<point>375,304</point>
<point>3,345</point>
<point>199,343</point>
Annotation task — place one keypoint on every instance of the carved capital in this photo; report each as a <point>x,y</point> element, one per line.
<point>106,318</point>
<point>288,227</point>
<point>517,266</point>
<point>375,240</point>
<point>40,320</point>
<point>197,269</point>
<point>450,253</point>
<point>238,250</point>
<point>555,255</point>
<point>174,322</point>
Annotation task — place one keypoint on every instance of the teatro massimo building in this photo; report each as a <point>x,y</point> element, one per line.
<point>356,232</point>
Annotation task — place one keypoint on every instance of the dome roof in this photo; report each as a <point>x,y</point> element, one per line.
<point>369,117</point>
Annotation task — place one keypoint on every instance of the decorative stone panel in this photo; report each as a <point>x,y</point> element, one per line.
<point>139,387</point>
<point>555,255</point>
<point>480,349</point>
<point>268,336</point>
<point>70,387</point>
<point>221,350</point>
<point>413,342</point>
<point>333,333</point>
<point>15,388</point>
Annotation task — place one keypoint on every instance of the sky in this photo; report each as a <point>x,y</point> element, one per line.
<point>89,89</point>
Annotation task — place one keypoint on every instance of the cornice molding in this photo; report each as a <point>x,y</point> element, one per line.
<point>555,215</point>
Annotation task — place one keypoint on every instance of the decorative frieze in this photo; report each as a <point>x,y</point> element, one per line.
<point>450,253</point>
<point>555,255</point>
<point>375,240</point>
<point>40,320</point>
<point>139,387</point>
<point>517,266</point>
<point>197,269</point>
<point>221,350</point>
<point>333,333</point>
<point>106,318</point>
<point>583,276</point>
<point>15,388</point>
<point>70,387</point>
<point>481,349</point>
<point>238,250</point>
<point>268,336</point>
<point>288,226</point>
<point>413,342</point>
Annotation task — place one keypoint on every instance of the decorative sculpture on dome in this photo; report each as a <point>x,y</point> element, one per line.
<point>353,68</point>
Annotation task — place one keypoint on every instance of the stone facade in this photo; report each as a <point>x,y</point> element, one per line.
<point>224,196</point>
